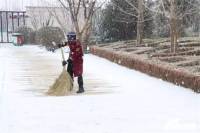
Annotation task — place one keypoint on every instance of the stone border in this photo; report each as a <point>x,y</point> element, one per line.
<point>167,73</point>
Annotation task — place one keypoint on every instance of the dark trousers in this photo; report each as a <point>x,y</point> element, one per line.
<point>70,71</point>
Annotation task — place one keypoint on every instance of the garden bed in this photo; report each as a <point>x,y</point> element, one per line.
<point>181,68</point>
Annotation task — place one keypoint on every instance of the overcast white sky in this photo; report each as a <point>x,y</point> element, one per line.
<point>21,4</point>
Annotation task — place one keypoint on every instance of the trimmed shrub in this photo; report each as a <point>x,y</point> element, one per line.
<point>29,34</point>
<point>46,35</point>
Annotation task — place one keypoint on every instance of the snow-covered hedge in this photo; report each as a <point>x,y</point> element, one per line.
<point>167,73</point>
<point>46,35</point>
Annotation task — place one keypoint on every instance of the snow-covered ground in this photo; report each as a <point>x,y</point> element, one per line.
<point>117,99</point>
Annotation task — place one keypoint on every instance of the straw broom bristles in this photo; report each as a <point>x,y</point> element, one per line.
<point>63,84</point>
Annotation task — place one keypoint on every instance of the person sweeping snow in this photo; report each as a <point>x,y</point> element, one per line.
<point>75,61</point>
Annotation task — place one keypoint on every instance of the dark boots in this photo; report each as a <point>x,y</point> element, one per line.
<point>80,84</point>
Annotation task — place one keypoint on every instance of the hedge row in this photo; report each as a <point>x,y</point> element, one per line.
<point>167,73</point>
<point>45,35</point>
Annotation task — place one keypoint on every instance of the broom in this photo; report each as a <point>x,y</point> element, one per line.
<point>63,84</point>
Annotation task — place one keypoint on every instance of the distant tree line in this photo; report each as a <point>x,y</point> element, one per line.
<point>138,19</point>
<point>130,19</point>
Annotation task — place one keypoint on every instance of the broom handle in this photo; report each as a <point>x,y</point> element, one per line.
<point>62,53</point>
<point>63,56</point>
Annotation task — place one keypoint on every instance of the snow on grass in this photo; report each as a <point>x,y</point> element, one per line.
<point>117,99</point>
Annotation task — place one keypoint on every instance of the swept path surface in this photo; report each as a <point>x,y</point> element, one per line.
<point>117,99</point>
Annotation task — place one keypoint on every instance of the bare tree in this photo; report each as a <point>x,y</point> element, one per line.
<point>75,15</point>
<point>175,11</point>
<point>39,18</point>
<point>59,14</point>
<point>173,26</point>
<point>33,20</point>
<point>63,19</point>
<point>137,12</point>
<point>81,12</point>
<point>140,21</point>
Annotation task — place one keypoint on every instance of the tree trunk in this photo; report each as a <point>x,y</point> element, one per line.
<point>173,26</point>
<point>88,12</point>
<point>86,36</point>
<point>140,21</point>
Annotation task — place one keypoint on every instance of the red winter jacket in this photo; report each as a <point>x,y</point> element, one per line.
<point>76,54</point>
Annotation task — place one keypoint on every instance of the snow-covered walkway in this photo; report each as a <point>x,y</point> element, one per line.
<point>117,99</point>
